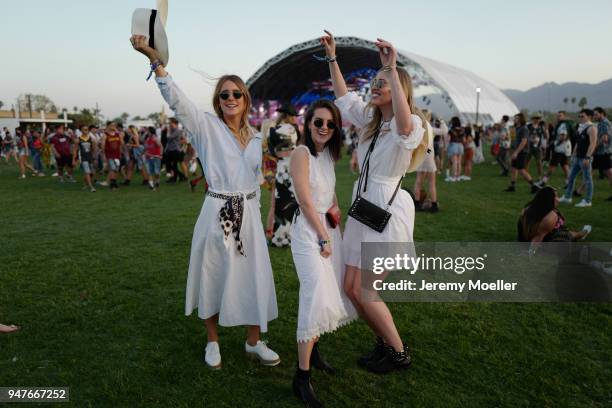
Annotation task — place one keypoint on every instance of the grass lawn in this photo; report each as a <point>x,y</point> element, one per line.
<point>97,282</point>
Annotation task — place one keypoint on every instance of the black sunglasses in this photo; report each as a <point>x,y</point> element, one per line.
<point>318,122</point>
<point>226,94</point>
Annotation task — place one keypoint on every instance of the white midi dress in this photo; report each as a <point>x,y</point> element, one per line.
<point>388,163</point>
<point>240,288</point>
<point>323,306</point>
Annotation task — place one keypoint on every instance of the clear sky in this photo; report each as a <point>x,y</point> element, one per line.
<point>78,53</point>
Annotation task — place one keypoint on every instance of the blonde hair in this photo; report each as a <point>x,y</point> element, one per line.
<point>245,131</point>
<point>372,127</point>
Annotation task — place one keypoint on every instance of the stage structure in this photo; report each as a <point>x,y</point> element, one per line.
<point>295,76</point>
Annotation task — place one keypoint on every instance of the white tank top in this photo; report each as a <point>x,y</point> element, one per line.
<point>322,177</point>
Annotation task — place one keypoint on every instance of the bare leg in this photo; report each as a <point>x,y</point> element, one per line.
<point>433,191</point>
<point>253,335</point>
<point>304,352</point>
<point>211,328</point>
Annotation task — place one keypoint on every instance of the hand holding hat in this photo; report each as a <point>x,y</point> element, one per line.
<point>141,44</point>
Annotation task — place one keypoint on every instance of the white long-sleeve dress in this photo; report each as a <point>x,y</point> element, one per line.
<point>388,163</point>
<point>222,280</point>
<point>323,305</point>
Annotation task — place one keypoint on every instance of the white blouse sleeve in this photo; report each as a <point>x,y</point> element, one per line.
<point>353,109</point>
<point>413,140</point>
<point>186,112</point>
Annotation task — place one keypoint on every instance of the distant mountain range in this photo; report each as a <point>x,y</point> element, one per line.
<point>550,96</point>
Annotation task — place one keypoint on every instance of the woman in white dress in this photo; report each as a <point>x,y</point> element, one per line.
<point>230,277</point>
<point>391,115</point>
<point>316,243</point>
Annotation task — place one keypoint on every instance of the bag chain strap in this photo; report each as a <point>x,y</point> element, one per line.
<point>365,171</point>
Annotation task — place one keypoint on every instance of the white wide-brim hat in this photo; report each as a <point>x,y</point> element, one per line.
<point>422,150</point>
<point>149,22</point>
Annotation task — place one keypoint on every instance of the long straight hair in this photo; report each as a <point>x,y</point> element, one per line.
<point>334,144</point>
<point>245,131</point>
<point>372,127</point>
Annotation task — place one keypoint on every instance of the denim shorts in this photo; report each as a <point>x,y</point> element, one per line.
<point>114,164</point>
<point>86,166</point>
<point>154,165</point>
<point>455,149</point>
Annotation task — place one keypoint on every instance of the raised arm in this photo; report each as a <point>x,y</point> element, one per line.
<point>329,43</point>
<point>401,109</point>
<point>185,110</point>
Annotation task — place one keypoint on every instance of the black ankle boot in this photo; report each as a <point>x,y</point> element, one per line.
<point>317,361</point>
<point>302,388</point>
<point>392,360</point>
<point>377,353</point>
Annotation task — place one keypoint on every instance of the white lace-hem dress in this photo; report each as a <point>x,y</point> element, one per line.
<point>323,306</point>
<point>221,280</point>
<point>388,162</point>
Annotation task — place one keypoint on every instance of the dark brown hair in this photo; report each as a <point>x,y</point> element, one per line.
<point>520,118</point>
<point>335,142</point>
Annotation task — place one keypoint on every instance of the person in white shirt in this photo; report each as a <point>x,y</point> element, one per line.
<point>230,276</point>
<point>391,134</point>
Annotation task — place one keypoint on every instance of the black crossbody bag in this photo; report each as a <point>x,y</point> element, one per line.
<point>365,211</point>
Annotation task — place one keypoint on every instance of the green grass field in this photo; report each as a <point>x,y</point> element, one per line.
<point>97,282</point>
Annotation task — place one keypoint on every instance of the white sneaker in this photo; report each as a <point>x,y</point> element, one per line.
<point>103,183</point>
<point>41,174</point>
<point>212,355</point>
<point>263,353</point>
<point>566,200</point>
<point>465,178</point>
<point>56,174</point>
<point>22,176</point>
<point>583,203</point>
<point>448,179</point>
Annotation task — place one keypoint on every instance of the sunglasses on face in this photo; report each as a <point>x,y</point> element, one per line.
<point>377,83</point>
<point>318,122</point>
<point>226,94</point>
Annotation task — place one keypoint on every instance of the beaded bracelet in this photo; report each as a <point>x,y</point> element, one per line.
<point>325,58</point>
<point>323,242</point>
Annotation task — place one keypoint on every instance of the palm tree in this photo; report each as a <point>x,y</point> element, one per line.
<point>583,102</point>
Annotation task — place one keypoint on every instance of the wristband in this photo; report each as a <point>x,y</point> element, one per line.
<point>154,65</point>
<point>325,59</point>
<point>323,242</point>
<point>387,68</point>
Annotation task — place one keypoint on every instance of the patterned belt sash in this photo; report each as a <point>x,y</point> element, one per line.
<point>230,215</point>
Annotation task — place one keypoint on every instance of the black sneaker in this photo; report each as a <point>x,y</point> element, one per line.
<point>302,388</point>
<point>418,206</point>
<point>392,360</point>
<point>377,352</point>
<point>510,189</point>
<point>434,208</point>
<point>609,198</point>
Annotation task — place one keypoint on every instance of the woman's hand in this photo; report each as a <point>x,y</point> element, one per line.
<point>329,43</point>
<point>141,44</point>
<point>388,55</point>
<point>326,250</point>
